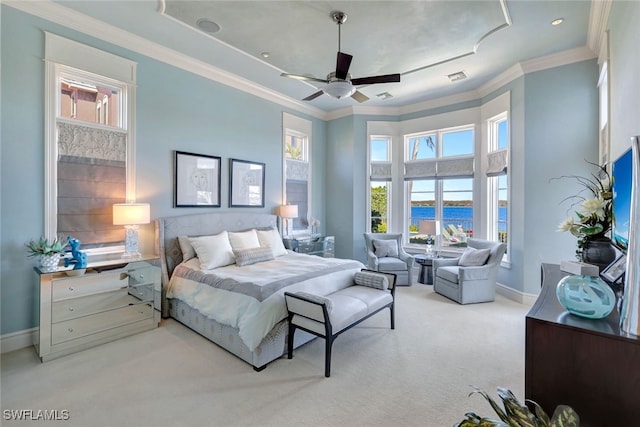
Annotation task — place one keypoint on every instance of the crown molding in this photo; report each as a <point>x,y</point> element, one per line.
<point>598,20</point>
<point>50,11</point>
<point>565,57</point>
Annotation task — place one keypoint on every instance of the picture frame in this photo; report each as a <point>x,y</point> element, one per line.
<point>196,180</point>
<point>614,271</point>
<point>246,184</point>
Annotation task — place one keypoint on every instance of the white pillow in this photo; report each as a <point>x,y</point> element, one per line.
<point>474,257</point>
<point>187,250</point>
<point>213,251</point>
<point>244,240</point>
<point>272,239</point>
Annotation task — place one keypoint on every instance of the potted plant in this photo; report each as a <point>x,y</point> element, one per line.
<point>594,217</point>
<point>516,414</point>
<point>49,252</point>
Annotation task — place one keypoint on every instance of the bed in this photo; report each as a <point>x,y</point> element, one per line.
<point>241,308</point>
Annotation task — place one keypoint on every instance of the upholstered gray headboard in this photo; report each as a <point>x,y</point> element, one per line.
<point>168,229</point>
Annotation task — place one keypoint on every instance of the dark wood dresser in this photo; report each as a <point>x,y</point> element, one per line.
<point>584,363</point>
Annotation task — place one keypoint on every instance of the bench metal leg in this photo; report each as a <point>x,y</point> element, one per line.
<point>292,330</point>
<point>327,356</point>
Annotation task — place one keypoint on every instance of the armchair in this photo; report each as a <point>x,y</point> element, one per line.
<point>382,257</point>
<point>469,283</point>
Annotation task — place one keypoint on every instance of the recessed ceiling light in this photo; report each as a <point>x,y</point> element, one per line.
<point>557,21</point>
<point>208,25</point>
<point>384,95</point>
<point>460,75</point>
<point>265,54</point>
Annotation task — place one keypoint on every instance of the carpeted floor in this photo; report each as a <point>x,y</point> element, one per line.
<point>417,375</point>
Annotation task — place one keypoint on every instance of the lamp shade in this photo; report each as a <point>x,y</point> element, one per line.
<point>429,227</point>
<point>131,213</point>
<point>289,211</point>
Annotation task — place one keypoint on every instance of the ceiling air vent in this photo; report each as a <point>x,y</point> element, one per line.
<point>384,95</point>
<point>460,75</point>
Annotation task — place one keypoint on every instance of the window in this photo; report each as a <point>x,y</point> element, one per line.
<point>297,169</point>
<point>439,174</point>
<point>89,156</point>
<point>498,180</point>
<point>380,183</point>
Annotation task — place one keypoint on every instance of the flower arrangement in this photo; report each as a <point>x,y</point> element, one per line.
<point>594,215</point>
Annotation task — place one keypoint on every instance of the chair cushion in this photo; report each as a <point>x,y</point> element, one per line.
<point>448,273</point>
<point>385,248</point>
<point>474,257</point>
<point>391,264</point>
<point>372,280</point>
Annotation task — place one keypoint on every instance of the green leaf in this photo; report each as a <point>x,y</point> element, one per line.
<point>498,410</point>
<point>543,418</point>
<point>565,416</point>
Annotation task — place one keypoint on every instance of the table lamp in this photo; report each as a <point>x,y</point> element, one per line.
<point>131,215</point>
<point>430,228</point>
<point>288,212</point>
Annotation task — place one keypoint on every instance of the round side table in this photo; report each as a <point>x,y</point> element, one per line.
<point>426,272</point>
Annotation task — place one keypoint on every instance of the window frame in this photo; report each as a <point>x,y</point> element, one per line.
<point>67,57</point>
<point>299,128</point>
<point>493,183</point>
<point>389,184</point>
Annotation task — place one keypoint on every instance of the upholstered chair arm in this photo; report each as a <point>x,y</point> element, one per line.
<point>372,260</point>
<point>408,259</point>
<point>482,272</point>
<point>445,262</point>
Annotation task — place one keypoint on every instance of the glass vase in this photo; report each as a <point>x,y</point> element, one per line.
<point>586,296</point>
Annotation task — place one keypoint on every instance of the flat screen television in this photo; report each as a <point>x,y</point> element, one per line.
<point>621,174</point>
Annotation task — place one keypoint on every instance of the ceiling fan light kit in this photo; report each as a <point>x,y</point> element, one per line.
<point>339,83</point>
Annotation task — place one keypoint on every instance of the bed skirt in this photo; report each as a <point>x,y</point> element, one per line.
<point>272,347</point>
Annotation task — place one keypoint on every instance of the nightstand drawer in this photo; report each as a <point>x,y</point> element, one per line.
<point>144,273</point>
<point>90,283</point>
<point>80,327</point>
<point>72,308</point>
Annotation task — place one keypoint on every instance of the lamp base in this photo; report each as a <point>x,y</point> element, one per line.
<point>131,242</point>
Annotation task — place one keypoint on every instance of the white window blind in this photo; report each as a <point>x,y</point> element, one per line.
<point>497,162</point>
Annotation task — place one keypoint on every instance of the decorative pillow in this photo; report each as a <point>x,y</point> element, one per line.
<point>372,280</point>
<point>383,248</point>
<point>317,298</point>
<point>244,239</point>
<point>187,250</point>
<point>213,251</point>
<point>473,257</point>
<point>272,239</point>
<point>252,255</point>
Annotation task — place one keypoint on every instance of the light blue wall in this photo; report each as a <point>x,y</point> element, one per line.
<point>176,110</point>
<point>624,39</point>
<point>561,132</point>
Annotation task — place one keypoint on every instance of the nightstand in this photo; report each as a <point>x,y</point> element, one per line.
<point>114,298</point>
<point>323,246</point>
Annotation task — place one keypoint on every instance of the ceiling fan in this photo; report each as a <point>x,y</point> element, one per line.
<point>339,83</point>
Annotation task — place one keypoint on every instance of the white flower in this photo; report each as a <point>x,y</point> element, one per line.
<point>566,225</point>
<point>593,206</point>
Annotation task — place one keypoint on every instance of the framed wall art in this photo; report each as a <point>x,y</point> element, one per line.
<point>614,271</point>
<point>196,180</point>
<point>246,184</point>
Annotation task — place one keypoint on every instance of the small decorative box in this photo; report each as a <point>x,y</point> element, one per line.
<point>579,268</point>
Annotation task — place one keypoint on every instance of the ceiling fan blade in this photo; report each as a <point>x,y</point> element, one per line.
<point>359,96</point>
<point>313,96</point>
<point>306,78</point>
<point>342,65</point>
<point>387,78</point>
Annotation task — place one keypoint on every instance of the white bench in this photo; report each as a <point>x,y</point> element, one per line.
<point>329,316</point>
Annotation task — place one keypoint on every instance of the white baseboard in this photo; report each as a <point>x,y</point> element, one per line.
<point>17,340</point>
<point>515,295</point>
